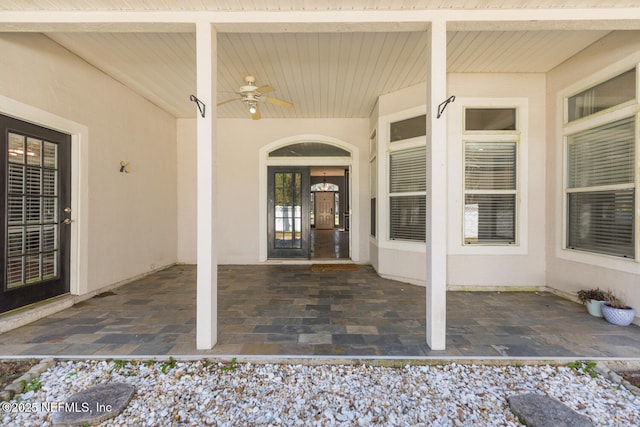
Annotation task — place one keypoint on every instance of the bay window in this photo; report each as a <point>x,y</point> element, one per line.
<point>601,146</point>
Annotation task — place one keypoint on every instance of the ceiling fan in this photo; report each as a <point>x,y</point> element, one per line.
<point>251,95</point>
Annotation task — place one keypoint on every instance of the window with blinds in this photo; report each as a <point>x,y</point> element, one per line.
<point>407,194</point>
<point>490,192</point>
<point>407,170</point>
<point>373,167</point>
<point>408,218</point>
<point>373,184</point>
<point>601,189</point>
<point>374,221</point>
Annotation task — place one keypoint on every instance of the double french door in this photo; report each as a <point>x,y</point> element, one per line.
<point>35,188</point>
<point>288,212</point>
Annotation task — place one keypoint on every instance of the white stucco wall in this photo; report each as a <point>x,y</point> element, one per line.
<point>131,218</point>
<point>238,215</point>
<point>187,191</point>
<point>567,270</point>
<point>404,261</point>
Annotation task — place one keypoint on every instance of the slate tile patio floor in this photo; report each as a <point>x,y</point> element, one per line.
<point>291,310</point>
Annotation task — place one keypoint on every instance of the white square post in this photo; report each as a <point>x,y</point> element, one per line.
<point>436,224</point>
<point>207,282</point>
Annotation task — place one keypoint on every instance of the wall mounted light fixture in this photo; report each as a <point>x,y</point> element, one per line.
<point>125,166</point>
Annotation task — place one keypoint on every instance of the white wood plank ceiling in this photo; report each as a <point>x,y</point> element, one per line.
<point>322,74</point>
<point>302,5</point>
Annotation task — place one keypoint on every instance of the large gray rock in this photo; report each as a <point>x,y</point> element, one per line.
<point>94,404</point>
<point>536,410</point>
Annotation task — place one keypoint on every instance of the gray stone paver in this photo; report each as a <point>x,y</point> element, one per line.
<point>536,410</point>
<point>288,309</point>
<point>94,404</point>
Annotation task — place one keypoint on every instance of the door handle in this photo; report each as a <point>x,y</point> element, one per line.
<point>67,221</point>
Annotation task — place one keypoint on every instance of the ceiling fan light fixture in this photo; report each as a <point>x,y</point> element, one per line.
<point>251,95</point>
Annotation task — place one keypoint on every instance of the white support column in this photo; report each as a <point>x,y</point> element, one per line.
<point>207,285</point>
<point>436,188</point>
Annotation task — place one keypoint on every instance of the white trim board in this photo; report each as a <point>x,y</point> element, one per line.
<point>78,280</point>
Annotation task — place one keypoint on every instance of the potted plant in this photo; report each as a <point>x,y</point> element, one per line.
<point>616,311</point>
<point>593,300</point>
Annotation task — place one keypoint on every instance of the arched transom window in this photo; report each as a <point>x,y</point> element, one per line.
<point>309,149</point>
<point>325,186</point>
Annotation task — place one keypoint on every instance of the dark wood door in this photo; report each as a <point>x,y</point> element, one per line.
<point>35,188</point>
<point>288,212</point>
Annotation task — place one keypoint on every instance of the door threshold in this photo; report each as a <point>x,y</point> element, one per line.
<point>30,313</point>
<point>310,261</point>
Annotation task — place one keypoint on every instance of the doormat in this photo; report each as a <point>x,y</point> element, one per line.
<point>333,267</point>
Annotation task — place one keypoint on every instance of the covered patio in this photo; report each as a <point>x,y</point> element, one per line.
<point>154,174</point>
<point>298,310</point>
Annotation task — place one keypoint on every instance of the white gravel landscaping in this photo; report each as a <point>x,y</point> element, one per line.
<point>202,392</point>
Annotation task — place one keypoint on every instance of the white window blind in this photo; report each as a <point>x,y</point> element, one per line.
<point>407,187</point>
<point>601,189</point>
<point>408,215</point>
<point>602,155</point>
<point>490,187</point>
<point>407,170</point>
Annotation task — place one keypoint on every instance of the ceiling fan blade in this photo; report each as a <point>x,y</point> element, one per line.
<point>226,101</point>
<point>277,101</point>
<point>256,115</point>
<point>265,89</point>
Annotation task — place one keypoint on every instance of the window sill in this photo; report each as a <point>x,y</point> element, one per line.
<point>487,249</point>
<point>599,260</point>
<point>404,245</point>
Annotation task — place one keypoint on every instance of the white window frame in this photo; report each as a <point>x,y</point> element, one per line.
<point>385,147</point>
<point>564,129</point>
<point>498,138</point>
<point>459,137</point>
<point>373,182</point>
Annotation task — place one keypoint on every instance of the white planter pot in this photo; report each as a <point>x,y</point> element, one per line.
<point>594,307</point>
<point>618,316</point>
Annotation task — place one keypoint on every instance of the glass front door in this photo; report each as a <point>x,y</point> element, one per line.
<point>288,214</point>
<point>35,188</point>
